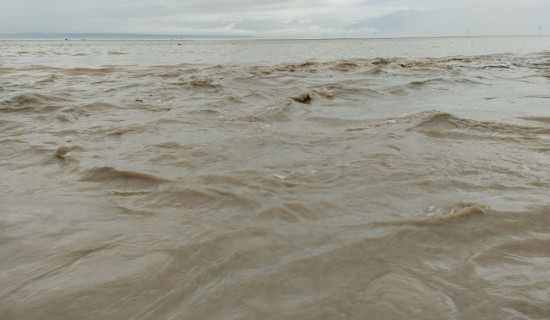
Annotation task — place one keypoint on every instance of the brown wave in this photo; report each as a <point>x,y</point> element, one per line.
<point>117,131</point>
<point>205,83</point>
<point>172,145</point>
<point>81,71</point>
<point>48,80</point>
<point>97,107</point>
<point>7,125</point>
<point>227,180</point>
<point>298,211</point>
<point>130,179</point>
<point>74,113</point>
<point>61,152</point>
<point>33,102</point>
<point>304,97</point>
<point>441,83</point>
<point>423,62</point>
<point>442,124</point>
<point>461,210</point>
<point>383,61</point>
<point>351,91</point>
<point>326,92</point>
<point>285,68</point>
<point>207,198</point>
<point>537,119</point>
<point>345,66</point>
<point>6,70</point>
<point>348,275</point>
<point>278,112</point>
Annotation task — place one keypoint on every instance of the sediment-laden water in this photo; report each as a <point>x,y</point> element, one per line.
<point>336,179</point>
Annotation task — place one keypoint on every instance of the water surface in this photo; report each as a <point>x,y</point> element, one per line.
<point>342,179</point>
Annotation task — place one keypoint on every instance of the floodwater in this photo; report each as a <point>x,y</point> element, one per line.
<point>333,179</point>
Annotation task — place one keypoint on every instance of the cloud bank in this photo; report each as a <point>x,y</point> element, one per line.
<point>276,19</point>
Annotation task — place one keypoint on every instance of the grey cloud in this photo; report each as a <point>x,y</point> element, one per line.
<point>499,19</point>
<point>261,25</point>
<point>277,18</point>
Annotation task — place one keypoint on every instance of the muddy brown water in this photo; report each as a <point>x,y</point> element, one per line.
<point>265,182</point>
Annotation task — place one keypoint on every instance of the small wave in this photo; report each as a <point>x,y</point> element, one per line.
<point>265,71</point>
<point>431,119</point>
<point>207,198</point>
<point>438,83</point>
<point>496,67</point>
<point>537,119</point>
<point>424,62</point>
<point>6,125</point>
<point>217,179</point>
<point>31,102</point>
<point>6,70</point>
<point>199,83</point>
<point>91,71</point>
<point>382,61</point>
<point>97,107</point>
<point>460,210</point>
<point>441,83</point>
<point>117,131</point>
<point>352,92</point>
<point>61,152</point>
<point>205,113</point>
<point>70,114</point>
<point>131,179</point>
<point>32,99</point>
<point>297,211</point>
<point>50,79</point>
<point>376,71</point>
<point>345,66</point>
<point>133,212</point>
<point>304,97</point>
<point>172,145</point>
<point>173,74</point>
<point>326,92</point>
<point>405,294</point>
<point>278,112</point>
<point>204,83</point>
<point>443,124</point>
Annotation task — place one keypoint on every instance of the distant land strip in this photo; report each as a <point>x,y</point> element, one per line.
<point>112,36</point>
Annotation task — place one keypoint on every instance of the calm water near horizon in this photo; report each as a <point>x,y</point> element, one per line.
<point>275,179</point>
<point>167,52</point>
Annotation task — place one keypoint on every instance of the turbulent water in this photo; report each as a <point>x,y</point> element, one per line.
<point>342,179</point>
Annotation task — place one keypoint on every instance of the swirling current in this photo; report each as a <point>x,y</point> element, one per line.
<point>352,185</point>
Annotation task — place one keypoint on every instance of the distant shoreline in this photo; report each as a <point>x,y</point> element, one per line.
<point>113,36</point>
<point>152,37</point>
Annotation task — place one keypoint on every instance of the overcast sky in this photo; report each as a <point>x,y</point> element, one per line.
<point>279,18</point>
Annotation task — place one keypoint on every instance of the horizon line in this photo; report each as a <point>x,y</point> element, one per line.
<point>79,36</point>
